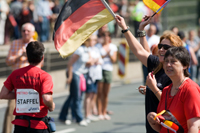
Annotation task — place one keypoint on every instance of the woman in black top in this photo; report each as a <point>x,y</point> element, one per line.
<point>153,63</point>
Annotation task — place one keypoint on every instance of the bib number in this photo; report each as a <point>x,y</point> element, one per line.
<point>28,101</point>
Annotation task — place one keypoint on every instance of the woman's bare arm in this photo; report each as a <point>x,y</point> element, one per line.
<point>134,45</point>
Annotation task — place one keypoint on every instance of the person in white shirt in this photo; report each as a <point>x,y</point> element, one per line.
<point>152,38</point>
<point>4,10</point>
<point>76,68</point>
<point>109,54</point>
<point>195,46</point>
<point>94,74</point>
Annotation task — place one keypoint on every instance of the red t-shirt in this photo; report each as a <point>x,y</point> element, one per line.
<point>184,105</point>
<point>34,78</point>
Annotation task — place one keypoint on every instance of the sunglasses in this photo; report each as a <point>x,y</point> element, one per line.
<point>165,46</point>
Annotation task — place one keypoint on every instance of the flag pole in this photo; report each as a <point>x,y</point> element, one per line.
<point>109,9</point>
<point>161,8</point>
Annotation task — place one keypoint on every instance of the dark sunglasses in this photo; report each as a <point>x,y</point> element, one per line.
<point>165,46</point>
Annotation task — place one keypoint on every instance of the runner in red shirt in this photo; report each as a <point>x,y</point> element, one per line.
<point>181,98</point>
<point>32,89</point>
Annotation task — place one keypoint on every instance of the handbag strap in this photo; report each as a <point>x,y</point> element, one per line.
<point>166,106</point>
<point>166,101</point>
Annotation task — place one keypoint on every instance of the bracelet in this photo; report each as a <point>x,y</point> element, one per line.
<point>124,31</point>
<point>141,33</point>
<point>156,92</point>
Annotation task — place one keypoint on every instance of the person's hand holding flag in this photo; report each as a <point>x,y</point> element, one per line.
<point>146,21</point>
<point>120,21</point>
<point>154,121</point>
<point>166,119</point>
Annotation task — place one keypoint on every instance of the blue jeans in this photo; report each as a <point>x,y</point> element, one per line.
<point>74,101</point>
<point>44,29</point>
<point>17,33</point>
<point>193,72</point>
<point>145,73</point>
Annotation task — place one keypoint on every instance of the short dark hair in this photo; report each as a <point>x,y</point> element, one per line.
<point>35,52</point>
<point>181,34</point>
<point>181,54</point>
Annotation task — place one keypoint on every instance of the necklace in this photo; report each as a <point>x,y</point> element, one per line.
<point>180,84</point>
<point>169,97</point>
<point>174,91</point>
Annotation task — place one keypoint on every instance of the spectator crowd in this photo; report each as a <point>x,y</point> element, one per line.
<point>43,13</point>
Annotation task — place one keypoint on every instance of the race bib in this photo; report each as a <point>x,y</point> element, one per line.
<point>28,101</point>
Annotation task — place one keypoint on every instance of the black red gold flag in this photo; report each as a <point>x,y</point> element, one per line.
<point>154,4</point>
<point>77,20</point>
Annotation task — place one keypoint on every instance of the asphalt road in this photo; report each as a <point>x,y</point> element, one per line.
<point>124,100</point>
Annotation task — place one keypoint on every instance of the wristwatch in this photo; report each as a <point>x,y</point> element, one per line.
<point>141,33</point>
<point>124,31</point>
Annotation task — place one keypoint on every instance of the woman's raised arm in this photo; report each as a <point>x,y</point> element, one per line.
<point>133,43</point>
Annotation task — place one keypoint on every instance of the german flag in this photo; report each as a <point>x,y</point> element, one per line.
<point>77,20</point>
<point>169,121</point>
<point>154,4</point>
